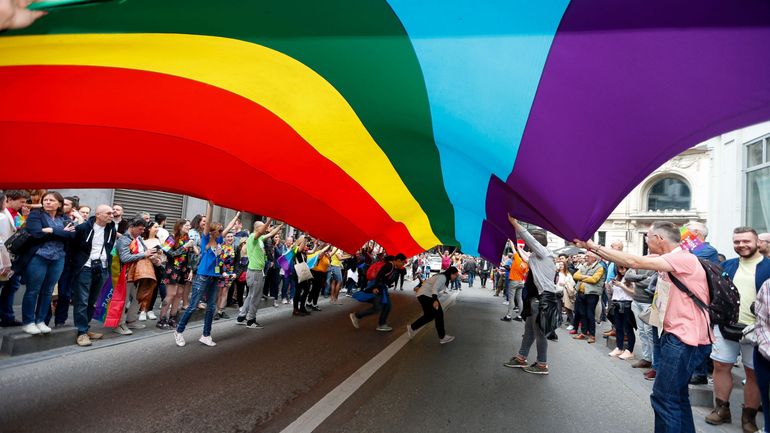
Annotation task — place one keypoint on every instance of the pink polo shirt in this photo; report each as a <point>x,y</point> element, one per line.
<point>683,318</point>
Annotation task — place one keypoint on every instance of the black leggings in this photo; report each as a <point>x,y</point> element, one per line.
<point>319,281</point>
<point>429,313</point>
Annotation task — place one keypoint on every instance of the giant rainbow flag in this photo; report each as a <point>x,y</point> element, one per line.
<point>410,122</point>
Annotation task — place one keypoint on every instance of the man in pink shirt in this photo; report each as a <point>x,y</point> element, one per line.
<point>686,339</point>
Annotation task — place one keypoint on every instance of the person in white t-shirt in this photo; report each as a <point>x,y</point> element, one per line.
<point>622,297</point>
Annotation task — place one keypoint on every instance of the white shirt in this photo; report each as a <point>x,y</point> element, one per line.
<point>162,235</point>
<point>432,285</point>
<point>6,227</point>
<point>353,275</point>
<point>97,246</point>
<point>618,294</point>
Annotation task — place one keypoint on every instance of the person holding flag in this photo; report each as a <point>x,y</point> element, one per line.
<point>255,273</point>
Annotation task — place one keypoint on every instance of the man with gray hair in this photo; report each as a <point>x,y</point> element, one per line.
<point>704,250</point>
<point>91,255</point>
<point>764,244</point>
<point>687,335</point>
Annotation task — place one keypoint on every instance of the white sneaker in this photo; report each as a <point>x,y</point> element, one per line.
<point>31,329</point>
<point>151,316</point>
<point>446,339</point>
<point>506,303</point>
<point>43,328</point>
<point>626,355</point>
<point>354,319</point>
<point>275,304</point>
<point>285,301</point>
<point>207,341</point>
<point>570,328</point>
<point>122,330</point>
<point>142,316</point>
<point>409,331</point>
<point>384,328</point>
<point>615,352</point>
<point>179,338</point>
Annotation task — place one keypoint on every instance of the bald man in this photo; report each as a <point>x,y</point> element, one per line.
<point>764,244</point>
<point>91,250</point>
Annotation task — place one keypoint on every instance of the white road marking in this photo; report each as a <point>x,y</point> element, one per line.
<point>317,414</point>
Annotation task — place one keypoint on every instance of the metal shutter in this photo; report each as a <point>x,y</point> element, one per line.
<point>135,201</point>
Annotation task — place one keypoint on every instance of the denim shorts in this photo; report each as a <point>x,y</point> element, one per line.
<point>727,351</point>
<point>335,273</point>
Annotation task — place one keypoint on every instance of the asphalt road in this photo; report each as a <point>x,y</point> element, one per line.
<point>262,380</point>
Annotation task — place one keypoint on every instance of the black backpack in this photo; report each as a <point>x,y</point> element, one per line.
<point>725,298</point>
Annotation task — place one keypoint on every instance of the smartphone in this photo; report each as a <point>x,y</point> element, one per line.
<point>53,5</point>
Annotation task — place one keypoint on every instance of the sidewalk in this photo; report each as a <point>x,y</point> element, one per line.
<point>14,342</point>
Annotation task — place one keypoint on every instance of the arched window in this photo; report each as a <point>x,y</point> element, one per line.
<point>669,193</point>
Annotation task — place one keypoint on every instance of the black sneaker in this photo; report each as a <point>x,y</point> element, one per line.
<point>518,319</point>
<point>314,307</point>
<point>10,323</point>
<point>506,318</point>
<point>253,324</point>
<point>699,380</point>
<point>224,315</point>
<point>161,323</point>
<point>240,320</point>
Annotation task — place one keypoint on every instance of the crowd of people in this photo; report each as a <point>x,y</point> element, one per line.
<point>661,305</point>
<point>63,252</point>
<point>668,298</point>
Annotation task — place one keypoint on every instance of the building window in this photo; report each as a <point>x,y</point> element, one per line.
<point>669,193</point>
<point>758,184</point>
<point>603,238</point>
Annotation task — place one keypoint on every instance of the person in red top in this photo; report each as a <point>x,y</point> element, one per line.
<point>686,338</point>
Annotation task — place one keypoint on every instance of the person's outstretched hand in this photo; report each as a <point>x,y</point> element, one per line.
<point>15,15</point>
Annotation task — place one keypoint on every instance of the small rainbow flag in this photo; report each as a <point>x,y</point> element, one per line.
<point>689,240</point>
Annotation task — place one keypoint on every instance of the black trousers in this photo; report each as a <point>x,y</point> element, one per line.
<point>300,294</point>
<point>319,281</point>
<point>428,314</point>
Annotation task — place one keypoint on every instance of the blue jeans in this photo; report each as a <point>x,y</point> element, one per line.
<point>378,305</point>
<point>655,348</point>
<point>201,285</point>
<point>471,277</point>
<point>41,276</point>
<point>762,370</point>
<point>288,287</point>
<point>623,327</point>
<point>8,291</point>
<point>64,299</point>
<point>670,394</point>
<point>86,288</point>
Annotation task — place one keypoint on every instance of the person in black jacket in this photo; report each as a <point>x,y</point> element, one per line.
<point>91,253</point>
<point>43,260</point>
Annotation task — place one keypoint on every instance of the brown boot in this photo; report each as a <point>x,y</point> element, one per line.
<point>720,414</point>
<point>749,420</point>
